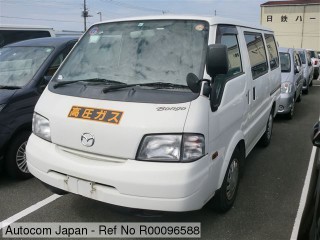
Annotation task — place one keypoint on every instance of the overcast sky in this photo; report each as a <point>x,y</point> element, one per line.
<point>66,14</point>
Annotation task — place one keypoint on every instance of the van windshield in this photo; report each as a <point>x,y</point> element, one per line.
<point>18,65</point>
<point>285,62</point>
<point>138,52</point>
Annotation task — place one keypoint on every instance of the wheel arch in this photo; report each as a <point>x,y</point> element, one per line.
<point>237,142</point>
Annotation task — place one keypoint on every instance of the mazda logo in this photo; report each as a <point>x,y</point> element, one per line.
<point>87,139</point>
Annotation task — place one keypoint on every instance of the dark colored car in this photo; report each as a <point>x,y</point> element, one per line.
<point>25,69</point>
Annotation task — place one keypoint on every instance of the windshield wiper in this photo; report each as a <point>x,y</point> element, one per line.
<point>94,80</point>
<point>9,87</point>
<point>154,84</point>
<point>165,85</point>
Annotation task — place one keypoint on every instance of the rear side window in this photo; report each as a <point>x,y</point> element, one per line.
<point>257,54</point>
<point>11,36</point>
<point>272,51</point>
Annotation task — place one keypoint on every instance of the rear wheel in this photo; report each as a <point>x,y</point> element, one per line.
<point>306,91</point>
<point>299,97</point>
<point>266,137</point>
<point>224,197</point>
<point>15,158</point>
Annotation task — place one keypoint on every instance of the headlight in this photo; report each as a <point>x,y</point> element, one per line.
<point>2,106</point>
<point>41,127</point>
<point>172,147</point>
<point>286,87</point>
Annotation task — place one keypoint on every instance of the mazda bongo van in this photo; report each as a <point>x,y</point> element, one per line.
<point>157,112</point>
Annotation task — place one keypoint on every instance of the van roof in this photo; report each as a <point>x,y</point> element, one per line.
<point>42,42</point>
<point>16,26</point>
<point>285,49</point>
<point>211,20</point>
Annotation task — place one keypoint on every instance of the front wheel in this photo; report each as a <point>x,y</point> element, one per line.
<point>291,113</point>
<point>266,137</point>
<point>224,197</point>
<point>15,158</point>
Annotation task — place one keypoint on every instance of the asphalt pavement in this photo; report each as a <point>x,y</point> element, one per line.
<point>265,208</point>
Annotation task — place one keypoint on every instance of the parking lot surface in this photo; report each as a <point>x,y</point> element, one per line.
<point>265,208</point>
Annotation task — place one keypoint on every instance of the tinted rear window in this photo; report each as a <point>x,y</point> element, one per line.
<point>11,36</point>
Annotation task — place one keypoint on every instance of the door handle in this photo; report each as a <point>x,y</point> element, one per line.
<point>254,93</point>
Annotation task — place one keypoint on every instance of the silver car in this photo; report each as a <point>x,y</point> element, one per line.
<point>307,69</point>
<point>291,81</point>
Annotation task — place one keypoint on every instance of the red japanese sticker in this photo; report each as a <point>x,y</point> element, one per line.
<point>94,31</point>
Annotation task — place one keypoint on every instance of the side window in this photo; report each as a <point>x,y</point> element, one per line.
<point>58,60</point>
<point>272,51</point>
<point>234,57</point>
<point>228,35</point>
<point>257,54</point>
<point>297,61</point>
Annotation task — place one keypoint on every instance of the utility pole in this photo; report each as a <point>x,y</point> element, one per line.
<point>85,14</point>
<point>100,13</point>
<point>215,12</point>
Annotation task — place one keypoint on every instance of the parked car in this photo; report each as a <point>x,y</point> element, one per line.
<point>315,62</point>
<point>25,69</point>
<point>131,118</point>
<point>15,33</point>
<point>307,69</point>
<point>291,81</point>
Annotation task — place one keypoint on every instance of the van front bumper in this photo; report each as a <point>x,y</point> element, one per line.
<point>285,103</point>
<point>135,184</point>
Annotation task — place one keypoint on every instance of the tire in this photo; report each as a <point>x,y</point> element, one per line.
<point>290,114</point>
<point>15,158</point>
<point>299,97</point>
<point>266,137</point>
<point>224,198</point>
<point>306,91</point>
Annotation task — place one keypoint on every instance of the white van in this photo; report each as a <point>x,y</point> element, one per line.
<point>157,112</point>
<point>10,33</point>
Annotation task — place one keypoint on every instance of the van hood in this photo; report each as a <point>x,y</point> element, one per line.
<point>120,132</point>
<point>286,77</point>
<point>6,94</point>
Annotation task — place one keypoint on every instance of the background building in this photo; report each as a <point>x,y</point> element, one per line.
<point>296,23</point>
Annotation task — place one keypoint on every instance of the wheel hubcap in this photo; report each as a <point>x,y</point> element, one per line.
<point>232,179</point>
<point>21,159</point>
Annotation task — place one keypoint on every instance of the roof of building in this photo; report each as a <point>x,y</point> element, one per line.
<point>290,2</point>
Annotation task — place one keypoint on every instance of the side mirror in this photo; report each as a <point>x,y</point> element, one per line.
<point>315,137</point>
<point>296,69</point>
<point>46,79</point>
<point>193,83</point>
<point>44,82</point>
<point>217,60</point>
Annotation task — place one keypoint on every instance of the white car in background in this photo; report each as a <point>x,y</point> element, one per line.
<point>315,63</point>
<point>307,69</point>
